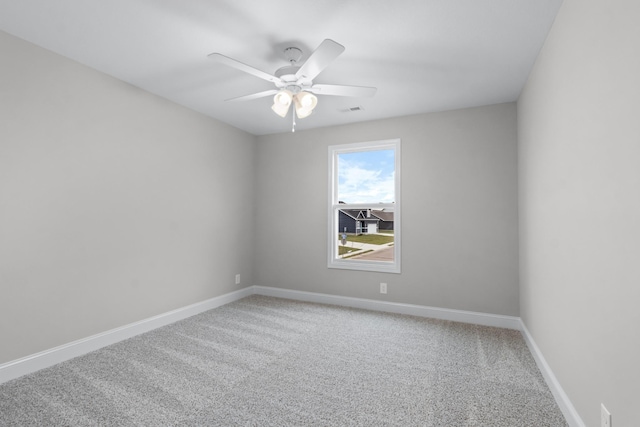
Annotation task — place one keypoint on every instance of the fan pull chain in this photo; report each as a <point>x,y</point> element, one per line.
<point>293,115</point>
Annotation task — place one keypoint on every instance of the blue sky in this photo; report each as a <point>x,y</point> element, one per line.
<point>366,177</point>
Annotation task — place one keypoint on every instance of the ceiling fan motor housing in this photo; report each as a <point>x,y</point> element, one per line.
<point>288,73</point>
<point>289,81</point>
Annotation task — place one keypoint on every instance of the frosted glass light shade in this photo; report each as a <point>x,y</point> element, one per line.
<point>305,102</point>
<point>281,102</point>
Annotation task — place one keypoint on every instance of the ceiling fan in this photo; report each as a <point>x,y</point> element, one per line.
<point>294,82</point>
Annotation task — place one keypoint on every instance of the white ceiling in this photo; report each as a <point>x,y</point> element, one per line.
<point>422,55</point>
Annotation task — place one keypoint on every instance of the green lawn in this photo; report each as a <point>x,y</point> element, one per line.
<point>345,249</point>
<point>372,239</point>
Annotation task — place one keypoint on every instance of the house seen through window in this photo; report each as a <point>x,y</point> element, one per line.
<point>364,207</point>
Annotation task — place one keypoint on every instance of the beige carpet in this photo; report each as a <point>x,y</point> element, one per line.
<point>265,361</point>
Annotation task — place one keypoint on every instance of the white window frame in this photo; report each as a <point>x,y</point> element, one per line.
<point>334,206</point>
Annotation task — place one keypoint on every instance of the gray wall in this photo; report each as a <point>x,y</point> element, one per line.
<point>579,156</point>
<point>459,211</point>
<point>115,205</point>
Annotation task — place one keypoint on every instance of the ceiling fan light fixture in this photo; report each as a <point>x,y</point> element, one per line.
<point>302,112</point>
<point>307,100</point>
<point>281,102</point>
<point>280,109</point>
<point>304,102</point>
<point>283,97</point>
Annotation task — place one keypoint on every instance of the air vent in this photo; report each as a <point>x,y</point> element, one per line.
<point>352,109</point>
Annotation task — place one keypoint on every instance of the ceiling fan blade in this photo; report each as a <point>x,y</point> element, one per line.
<point>254,95</point>
<point>319,59</point>
<point>243,67</point>
<point>339,90</point>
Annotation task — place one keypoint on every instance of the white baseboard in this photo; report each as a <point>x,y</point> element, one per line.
<point>50,357</point>
<point>497,320</point>
<point>565,405</point>
<point>44,359</point>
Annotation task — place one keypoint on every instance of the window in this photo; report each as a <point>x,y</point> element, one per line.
<point>364,206</point>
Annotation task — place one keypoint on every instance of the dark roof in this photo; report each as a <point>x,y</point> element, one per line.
<point>360,214</point>
<point>383,215</point>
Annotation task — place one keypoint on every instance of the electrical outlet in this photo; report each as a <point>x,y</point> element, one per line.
<point>237,279</point>
<point>383,288</point>
<point>605,417</point>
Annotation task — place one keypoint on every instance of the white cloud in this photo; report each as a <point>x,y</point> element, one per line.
<point>364,184</point>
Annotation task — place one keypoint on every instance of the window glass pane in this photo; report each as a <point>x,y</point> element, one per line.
<point>364,206</point>
<point>365,234</point>
<point>366,177</point>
